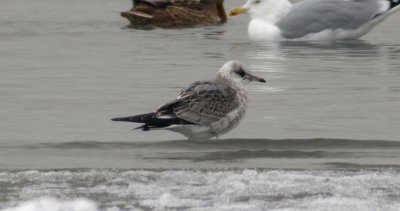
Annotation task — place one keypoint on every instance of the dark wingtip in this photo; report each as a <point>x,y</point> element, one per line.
<point>117,119</point>
<point>394,3</point>
<point>141,118</point>
<point>123,119</point>
<point>262,80</point>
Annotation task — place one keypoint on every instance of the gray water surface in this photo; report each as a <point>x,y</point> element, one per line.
<point>67,67</point>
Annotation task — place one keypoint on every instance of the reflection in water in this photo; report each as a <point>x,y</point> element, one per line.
<point>351,45</point>
<point>320,50</point>
<point>213,33</point>
<point>239,155</point>
<point>228,144</point>
<point>263,153</point>
<point>243,155</point>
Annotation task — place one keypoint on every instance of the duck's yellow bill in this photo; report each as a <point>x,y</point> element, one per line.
<point>237,11</point>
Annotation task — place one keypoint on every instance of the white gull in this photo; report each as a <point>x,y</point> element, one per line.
<point>205,108</point>
<point>314,19</point>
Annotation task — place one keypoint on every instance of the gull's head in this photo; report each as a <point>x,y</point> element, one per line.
<point>254,7</point>
<point>264,9</point>
<point>237,72</point>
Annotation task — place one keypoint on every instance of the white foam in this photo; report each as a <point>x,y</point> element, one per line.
<point>51,204</point>
<point>205,190</point>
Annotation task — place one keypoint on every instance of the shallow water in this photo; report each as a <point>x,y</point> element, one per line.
<point>67,67</point>
<point>222,154</point>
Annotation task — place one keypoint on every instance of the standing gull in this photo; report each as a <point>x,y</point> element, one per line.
<point>205,108</point>
<point>314,19</point>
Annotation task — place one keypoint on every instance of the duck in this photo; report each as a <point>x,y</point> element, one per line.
<point>149,14</point>
<point>314,19</point>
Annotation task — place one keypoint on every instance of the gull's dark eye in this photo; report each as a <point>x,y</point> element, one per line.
<point>257,1</point>
<point>240,72</point>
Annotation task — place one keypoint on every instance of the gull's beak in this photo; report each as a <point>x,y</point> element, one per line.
<point>237,11</point>
<point>254,78</point>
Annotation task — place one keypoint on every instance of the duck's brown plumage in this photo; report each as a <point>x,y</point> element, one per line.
<point>175,13</point>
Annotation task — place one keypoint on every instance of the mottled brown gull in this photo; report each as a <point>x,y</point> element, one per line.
<point>205,109</point>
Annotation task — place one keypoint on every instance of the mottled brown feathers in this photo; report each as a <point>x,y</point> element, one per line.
<point>202,103</point>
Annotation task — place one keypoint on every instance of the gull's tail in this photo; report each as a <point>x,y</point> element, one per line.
<point>387,7</point>
<point>151,121</point>
<point>393,3</point>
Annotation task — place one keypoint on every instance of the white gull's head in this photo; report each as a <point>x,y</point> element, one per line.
<point>237,72</point>
<point>264,9</point>
<point>257,8</point>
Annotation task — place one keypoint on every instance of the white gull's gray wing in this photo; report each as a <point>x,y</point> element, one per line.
<point>201,103</point>
<point>313,16</point>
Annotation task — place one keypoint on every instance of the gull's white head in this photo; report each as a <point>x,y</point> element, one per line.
<point>260,8</point>
<point>237,72</point>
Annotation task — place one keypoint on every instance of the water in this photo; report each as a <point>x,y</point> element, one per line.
<point>330,112</point>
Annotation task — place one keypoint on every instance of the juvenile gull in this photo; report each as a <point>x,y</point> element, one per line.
<point>205,108</point>
<point>314,19</point>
